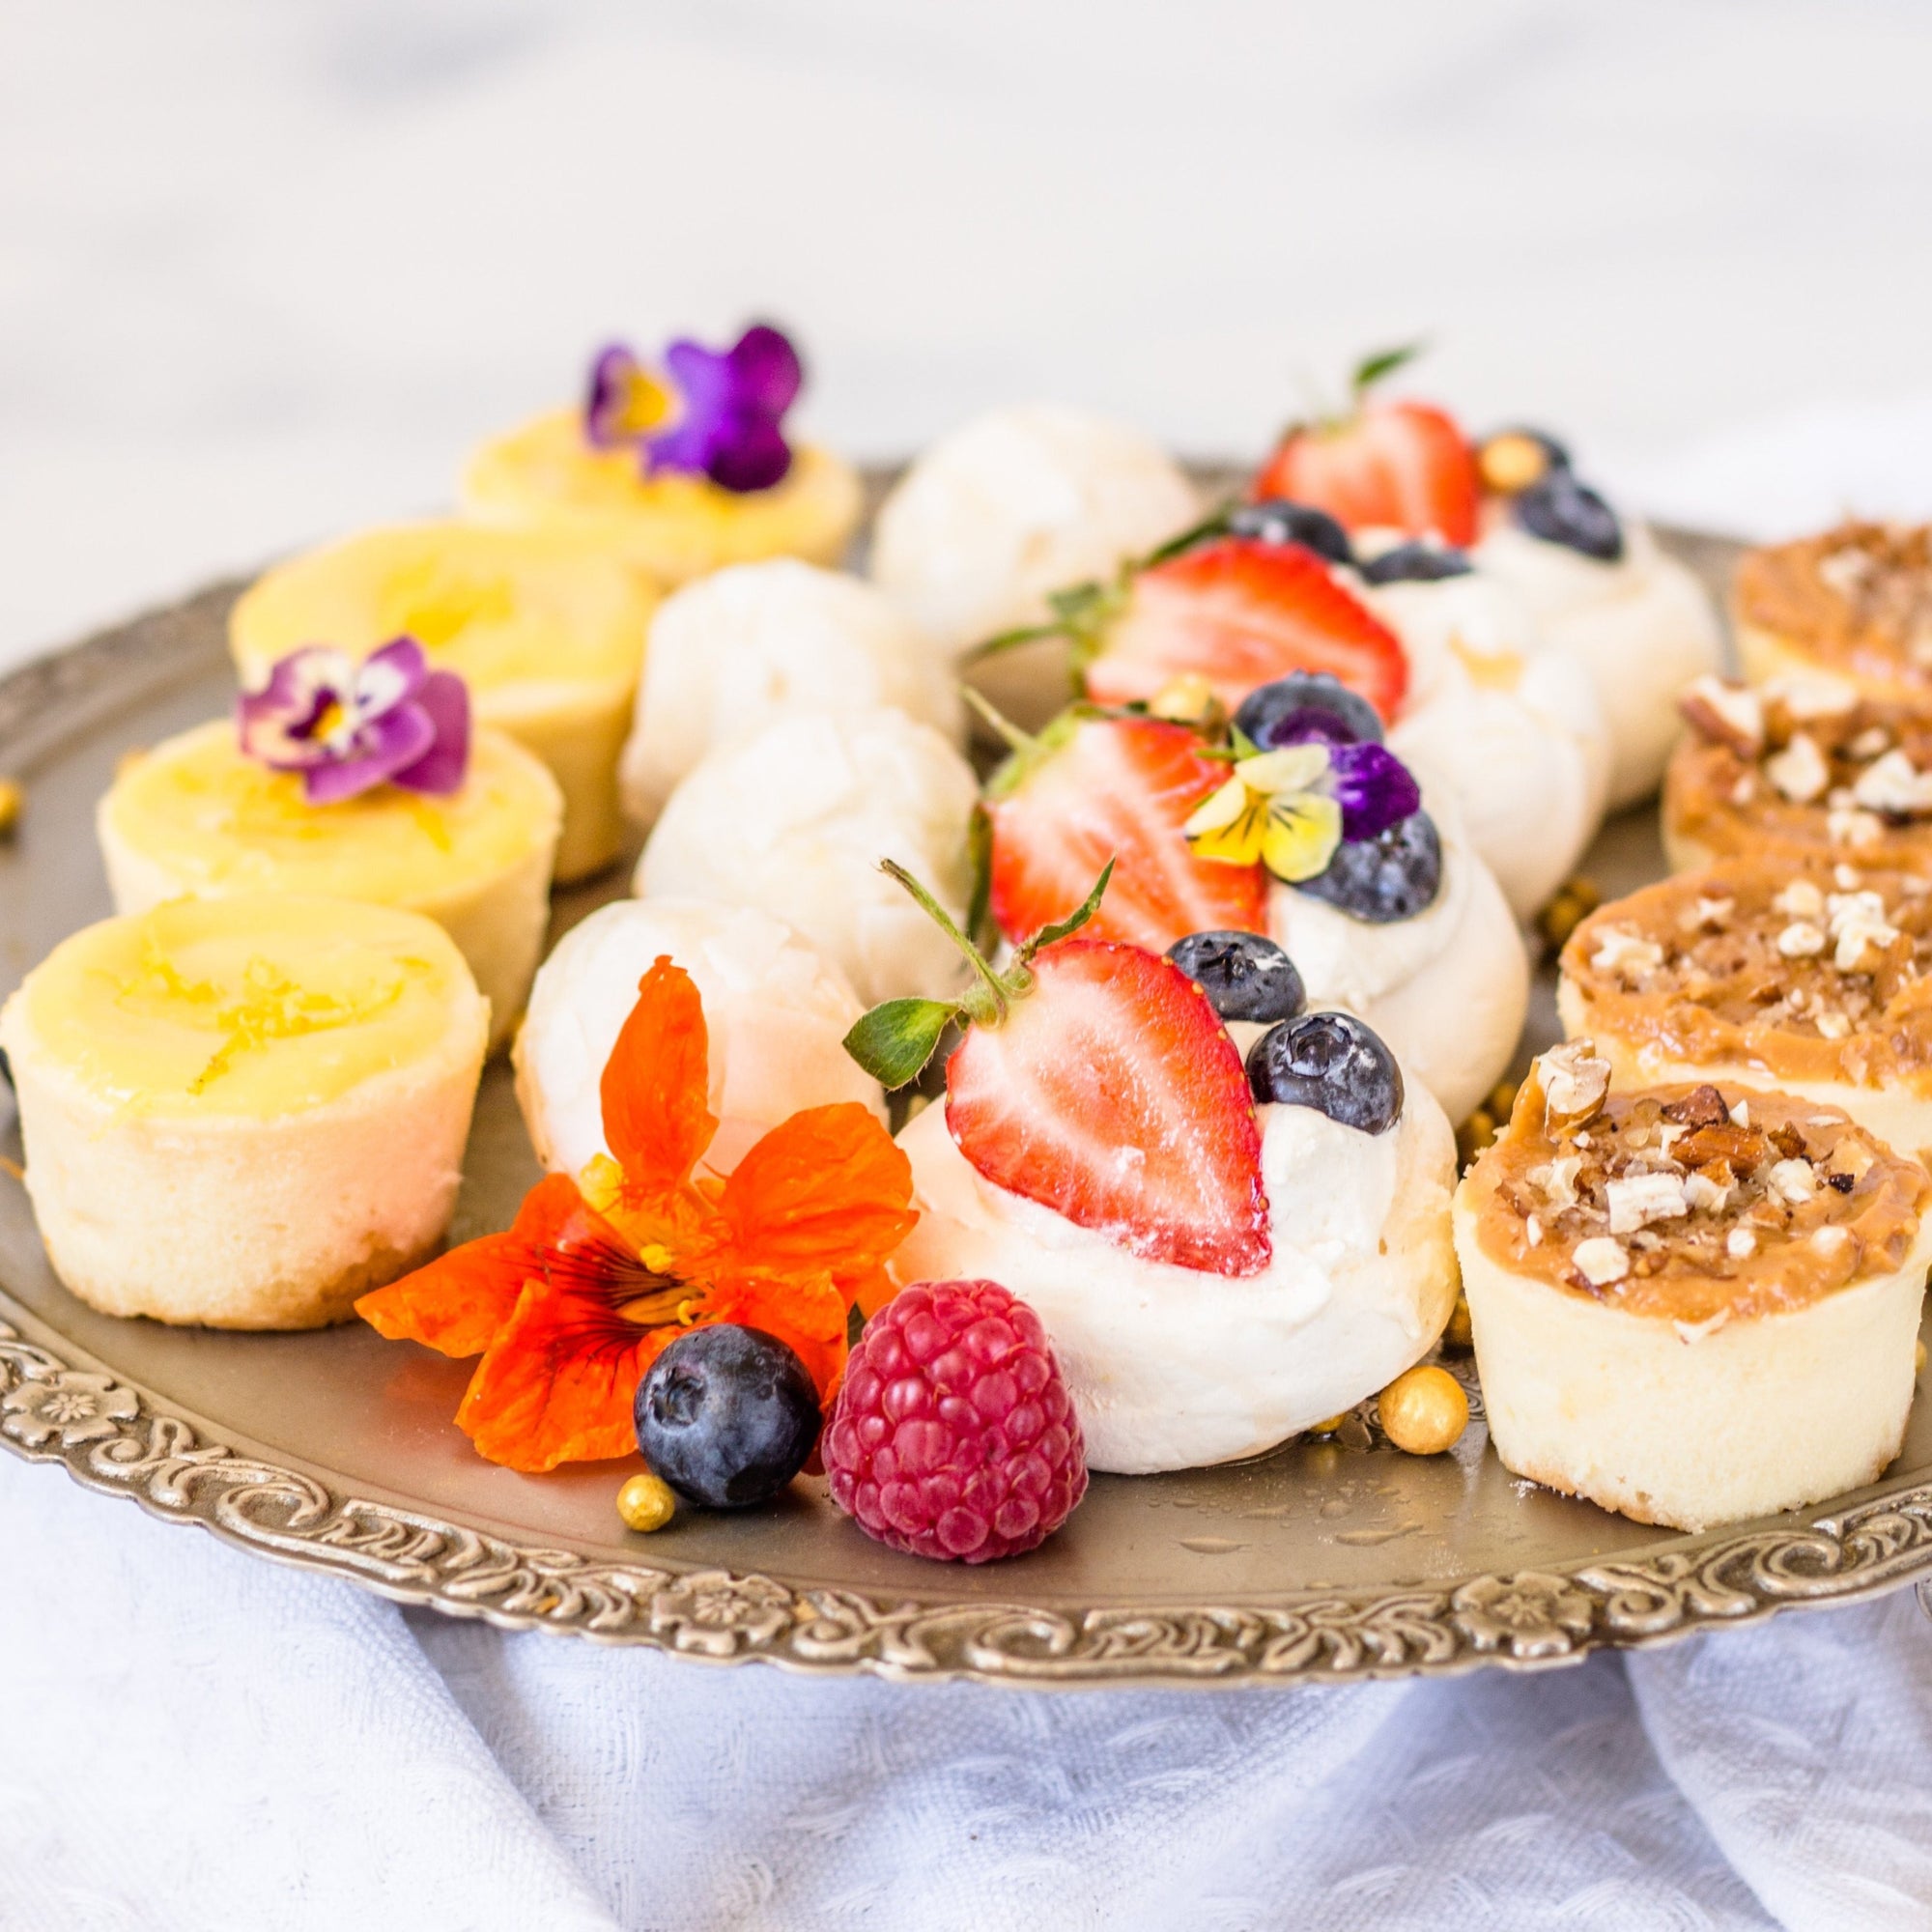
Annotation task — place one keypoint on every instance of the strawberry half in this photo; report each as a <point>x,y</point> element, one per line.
<point>1094,789</point>
<point>1098,1081</point>
<point>1240,612</point>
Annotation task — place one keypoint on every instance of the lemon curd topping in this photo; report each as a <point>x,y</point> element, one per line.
<point>497,606</point>
<point>217,822</point>
<point>253,1006</point>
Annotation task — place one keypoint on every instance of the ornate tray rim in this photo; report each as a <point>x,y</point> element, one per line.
<point>60,1405</point>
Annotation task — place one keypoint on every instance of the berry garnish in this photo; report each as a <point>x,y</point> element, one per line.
<point>1098,1081</point>
<point>953,1435</point>
<point>1561,510</point>
<point>1239,612</point>
<point>727,1415</point>
<point>1276,521</point>
<point>1390,877</point>
<point>1512,459</point>
<point>1091,788</point>
<point>1389,466</point>
<point>1416,562</point>
<point>1332,1062</point>
<point>1245,977</point>
<point>1307,706</point>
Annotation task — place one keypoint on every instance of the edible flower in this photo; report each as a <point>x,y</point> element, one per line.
<point>347,727</point>
<point>715,412</point>
<point>1290,809</point>
<point>599,1274</point>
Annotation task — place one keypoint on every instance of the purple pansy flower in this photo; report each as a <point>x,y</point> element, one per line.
<point>1374,788</point>
<point>708,413</point>
<point>347,727</point>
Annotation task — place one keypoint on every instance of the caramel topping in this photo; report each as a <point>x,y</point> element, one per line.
<point>1861,596</point>
<point>1829,777</point>
<point>1827,974</point>
<point>1695,1204</point>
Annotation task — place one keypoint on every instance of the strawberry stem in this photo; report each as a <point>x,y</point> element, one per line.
<point>998,988</point>
<point>996,720</point>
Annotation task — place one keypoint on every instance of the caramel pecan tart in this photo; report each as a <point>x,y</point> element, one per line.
<point>1692,1303</point>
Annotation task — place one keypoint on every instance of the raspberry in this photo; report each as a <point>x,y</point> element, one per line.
<point>953,1435</point>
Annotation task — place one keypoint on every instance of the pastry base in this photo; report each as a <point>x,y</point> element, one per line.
<point>1767,656</point>
<point>1688,1427</point>
<point>577,730</point>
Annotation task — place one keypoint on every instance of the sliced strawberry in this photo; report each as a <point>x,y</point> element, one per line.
<point>1391,466</point>
<point>1111,1093</point>
<point>1119,788</point>
<point>1242,613</point>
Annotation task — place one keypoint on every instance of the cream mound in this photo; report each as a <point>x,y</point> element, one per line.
<point>1172,1368</point>
<point>775,1012</point>
<point>1010,507</point>
<point>195,818</point>
<point>671,526</point>
<point>795,820</point>
<point>1643,626</point>
<point>244,1112</point>
<point>547,631</point>
<point>736,650</point>
<point>1448,989</point>
<point>1517,730</point>
<point>1694,1426</point>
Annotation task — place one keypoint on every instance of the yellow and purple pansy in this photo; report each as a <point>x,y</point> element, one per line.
<point>715,412</point>
<point>347,727</point>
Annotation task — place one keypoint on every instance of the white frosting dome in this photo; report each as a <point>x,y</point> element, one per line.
<point>735,649</point>
<point>775,1011</point>
<point>795,820</point>
<point>1643,626</point>
<point>1171,1368</point>
<point>1516,730</point>
<point>1448,989</point>
<point>1010,507</point>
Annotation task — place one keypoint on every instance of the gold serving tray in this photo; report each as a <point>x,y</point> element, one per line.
<point>335,1451</point>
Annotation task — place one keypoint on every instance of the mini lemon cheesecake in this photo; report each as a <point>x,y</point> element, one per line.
<point>544,629</point>
<point>679,465</point>
<point>245,1112</point>
<point>198,818</point>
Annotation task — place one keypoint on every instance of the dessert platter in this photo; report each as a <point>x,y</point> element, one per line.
<point>1053,1066</point>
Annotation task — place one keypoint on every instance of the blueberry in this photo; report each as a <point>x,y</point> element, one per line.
<point>1277,521</point>
<point>726,1416</point>
<point>1561,510</point>
<point>1416,563</point>
<point>1307,704</point>
<point>1244,976</point>
<point>1393,876</point>
<point>1332,1062</point>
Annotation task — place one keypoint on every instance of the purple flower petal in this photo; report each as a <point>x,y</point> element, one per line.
<point>277,724</point>
<point>444,701</point>
<point>383,747</point>
<point>754,456</point>
<point>1374,788</point>
<point>728,423</point>
<point>388,675</point>
<point>765,370</point>
<point>611,378</point>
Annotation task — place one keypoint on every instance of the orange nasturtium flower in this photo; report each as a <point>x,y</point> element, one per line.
<point>600,1274</point>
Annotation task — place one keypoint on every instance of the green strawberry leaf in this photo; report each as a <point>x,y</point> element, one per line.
<point>1383,363</point>
<point>894,1041</point>
<point>1065,928</point>
<point>1213,525</point>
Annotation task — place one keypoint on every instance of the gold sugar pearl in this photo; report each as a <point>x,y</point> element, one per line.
<point>1424,1412</point>
<point>1574,901</point>
<point>1511,462</point>
<point>1501,1102</point>
<point>1918,1359</point>
<point>1459,1334</point>
<point>647,1503</point>
<point>1329,1426</point>
<point>13,796</point>
<point>1477,1133</point>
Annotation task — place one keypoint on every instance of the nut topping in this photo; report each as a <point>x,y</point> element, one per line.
<point>1600,1261</point>
<point>1798,771</point>
<point>1575,1080</point>
<point>1729,713</point>
<point>1893,784</point>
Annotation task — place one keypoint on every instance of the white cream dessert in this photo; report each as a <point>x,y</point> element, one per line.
<point>1447,986</point>
<point>1174,1367</point>
<point>195,818</point>
<point>737,649</point>
<point>1691,1304</point>
<point>795,820</point>
<point>777,1010</point>
<point>1516,730</point>
<point>1639,623</point>
<point>244,1112</point>
<point>546,630</point>
<point>1008,509</point>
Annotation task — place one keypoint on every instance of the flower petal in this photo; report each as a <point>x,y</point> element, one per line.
<point>456,1303</point>
<point>807,1314</point>
<point>444,701</point>
<point>1374,788</point>
<point>766,373</point>
<point>1218,811</point>
<point>380,748</point>
<point>1291,768</point>
<point>1303,831</point>
<point>276,725</point>
<point>626,401</point>
<point>656,1085</point>
<point>388,675</point>
<point>825,1192</point>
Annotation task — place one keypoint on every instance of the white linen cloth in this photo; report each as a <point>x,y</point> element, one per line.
<point>193,1740</point>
